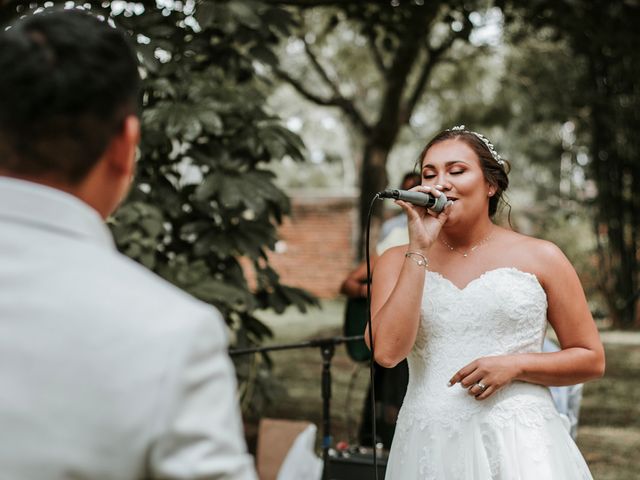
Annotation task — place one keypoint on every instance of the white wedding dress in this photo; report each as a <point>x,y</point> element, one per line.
<point>443,433</point>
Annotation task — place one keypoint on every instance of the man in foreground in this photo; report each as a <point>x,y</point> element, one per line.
<point>106,371</point>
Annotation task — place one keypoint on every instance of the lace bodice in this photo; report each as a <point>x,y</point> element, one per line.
<point>443,432</point>
<point>501,312</point>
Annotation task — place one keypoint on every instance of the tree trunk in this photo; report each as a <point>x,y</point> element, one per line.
<point>614,208</point>
<point>392,116</point>
<point>635,233</point>
<point>373,178</point>
<point>411,51</point>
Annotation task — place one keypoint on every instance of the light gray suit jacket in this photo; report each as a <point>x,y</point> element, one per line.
<point>107,372</point>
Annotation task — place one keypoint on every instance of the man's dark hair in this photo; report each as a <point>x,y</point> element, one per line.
<point>67,82</point>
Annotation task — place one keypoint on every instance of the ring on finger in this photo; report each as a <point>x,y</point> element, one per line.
<point>481,386</point>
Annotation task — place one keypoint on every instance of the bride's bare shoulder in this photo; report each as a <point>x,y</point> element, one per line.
<point>537,255</point>
<point>533,245</point>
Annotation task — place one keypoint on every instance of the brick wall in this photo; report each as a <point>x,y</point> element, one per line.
<point>316,247</point>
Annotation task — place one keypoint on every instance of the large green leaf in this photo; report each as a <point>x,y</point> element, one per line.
<point>202,197</point>
<point>217,291</point>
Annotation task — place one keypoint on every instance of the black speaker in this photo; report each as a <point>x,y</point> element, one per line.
<point>354,466</point>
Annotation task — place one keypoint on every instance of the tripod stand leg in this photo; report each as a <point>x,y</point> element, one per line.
<point>327,354</point>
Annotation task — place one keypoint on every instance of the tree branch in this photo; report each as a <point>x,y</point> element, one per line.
<point>433,58</point>
<point>404,59</point>
<point>433,55</point>
<point>320,69</point>
<point>301,89</point>
<point>336,101</point>
<point>331,25</point>
<point>375,53</point>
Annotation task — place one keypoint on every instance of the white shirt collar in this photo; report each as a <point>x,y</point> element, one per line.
<point>48,208</point>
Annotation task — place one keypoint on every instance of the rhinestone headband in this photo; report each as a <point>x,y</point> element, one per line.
<point>485,140</point>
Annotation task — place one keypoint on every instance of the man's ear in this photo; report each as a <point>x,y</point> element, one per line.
<point>121,152</point>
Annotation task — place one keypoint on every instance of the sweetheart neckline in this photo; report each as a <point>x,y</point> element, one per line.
<point>484,274</point>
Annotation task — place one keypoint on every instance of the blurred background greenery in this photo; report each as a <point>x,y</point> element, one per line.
<point>244,100</point>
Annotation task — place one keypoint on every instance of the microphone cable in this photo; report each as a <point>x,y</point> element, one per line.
<point>371,360</point>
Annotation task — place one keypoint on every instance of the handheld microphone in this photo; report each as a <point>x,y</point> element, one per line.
<point>421,199</point>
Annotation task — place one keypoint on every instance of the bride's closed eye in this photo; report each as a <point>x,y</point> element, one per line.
<point>428,176</point>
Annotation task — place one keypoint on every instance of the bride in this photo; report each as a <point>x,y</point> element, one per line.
<point>467,303</point>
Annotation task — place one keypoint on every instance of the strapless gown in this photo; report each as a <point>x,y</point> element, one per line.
<point>442,432</point>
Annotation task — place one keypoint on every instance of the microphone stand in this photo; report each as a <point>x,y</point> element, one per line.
<point>327,348</point>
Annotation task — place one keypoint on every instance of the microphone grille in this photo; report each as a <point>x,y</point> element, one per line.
<point>441,201</point>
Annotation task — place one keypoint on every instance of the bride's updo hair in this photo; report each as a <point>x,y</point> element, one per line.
<point>495,168</point>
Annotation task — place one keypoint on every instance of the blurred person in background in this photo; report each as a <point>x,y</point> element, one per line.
<point>567,398</point>
<point>106,370</point>
<point>390,383</point>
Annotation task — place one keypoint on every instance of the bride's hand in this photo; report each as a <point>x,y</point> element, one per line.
<point>485,376</point>
<point>424,225</point>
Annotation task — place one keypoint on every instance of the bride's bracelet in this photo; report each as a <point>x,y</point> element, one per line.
<point>419,258</point>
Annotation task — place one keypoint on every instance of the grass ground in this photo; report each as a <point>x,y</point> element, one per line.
<point>609,432</point>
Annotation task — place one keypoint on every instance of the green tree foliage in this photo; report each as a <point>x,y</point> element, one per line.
<point>538,108</point>
<point>601,97</point>
<point>404,42</point>
<point>202,199</point>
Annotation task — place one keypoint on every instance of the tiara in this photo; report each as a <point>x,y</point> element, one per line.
<point>485,140</point>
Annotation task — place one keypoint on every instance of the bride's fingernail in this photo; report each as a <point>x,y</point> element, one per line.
<point>449,384</point>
